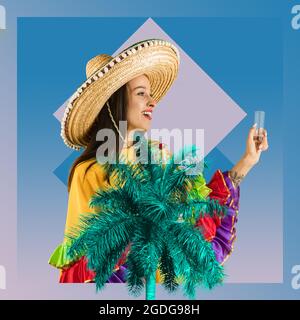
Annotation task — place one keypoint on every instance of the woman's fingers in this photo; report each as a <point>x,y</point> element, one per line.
<point>252,133</point>
<point>251,143</point>
<point>264,144</point>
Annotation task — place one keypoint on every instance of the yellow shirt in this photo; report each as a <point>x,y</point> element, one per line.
<point>89,176</point>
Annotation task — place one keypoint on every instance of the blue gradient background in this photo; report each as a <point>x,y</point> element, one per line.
<point>49,55</point>
<point>40,211</point>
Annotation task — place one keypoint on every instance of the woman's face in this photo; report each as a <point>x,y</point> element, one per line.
<point>140,104</point>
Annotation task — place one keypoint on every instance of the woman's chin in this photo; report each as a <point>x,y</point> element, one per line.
<point>142,128</point>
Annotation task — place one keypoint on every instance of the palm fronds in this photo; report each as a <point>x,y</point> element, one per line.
<point>143,210</point>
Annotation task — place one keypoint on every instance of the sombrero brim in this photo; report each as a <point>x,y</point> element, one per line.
<point>158,59</point>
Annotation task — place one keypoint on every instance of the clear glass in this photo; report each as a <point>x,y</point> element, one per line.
<point>259,119</point>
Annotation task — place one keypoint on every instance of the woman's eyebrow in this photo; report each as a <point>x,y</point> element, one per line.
<point>139,87</point>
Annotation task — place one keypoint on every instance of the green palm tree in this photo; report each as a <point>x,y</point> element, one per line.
<point>153,208</point>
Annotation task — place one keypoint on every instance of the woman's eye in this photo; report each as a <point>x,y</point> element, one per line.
<point>141,93</point>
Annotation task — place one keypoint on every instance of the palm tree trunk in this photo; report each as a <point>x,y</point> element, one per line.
<point>151,286</point>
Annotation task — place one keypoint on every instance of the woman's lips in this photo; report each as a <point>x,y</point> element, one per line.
<point>147,115</point>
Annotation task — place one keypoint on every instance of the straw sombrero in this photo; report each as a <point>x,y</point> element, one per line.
<point>158,59</point>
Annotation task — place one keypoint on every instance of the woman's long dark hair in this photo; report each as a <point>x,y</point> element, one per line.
<point>118,104</point>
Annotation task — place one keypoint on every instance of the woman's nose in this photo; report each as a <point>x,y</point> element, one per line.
<point>151,103</point>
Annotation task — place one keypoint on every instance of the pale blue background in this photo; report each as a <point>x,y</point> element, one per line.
<point>44,212</point>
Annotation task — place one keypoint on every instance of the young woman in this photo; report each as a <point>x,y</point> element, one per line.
<point>127,88</point>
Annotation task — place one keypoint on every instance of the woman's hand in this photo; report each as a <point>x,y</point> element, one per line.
<point>250,157</point>
<point>255,148</point>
